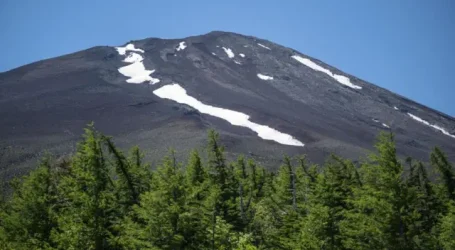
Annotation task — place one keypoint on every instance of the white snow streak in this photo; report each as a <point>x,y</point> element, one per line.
<point>135,70</point>
<point>129,47</point>
<point>263,46</point>
<point>213,54</point>
<point>265,77</point>
<point>181,46</point>
<point>242,55</point>
<point>395,107</point>
<point>176,93</point>
<point>383,124</point>
<point>237,62</point>
<point>341,79</point>
<point>229,52</point>
<point>431,125</point>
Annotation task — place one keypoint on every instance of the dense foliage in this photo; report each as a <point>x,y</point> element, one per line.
<point>104,199</point>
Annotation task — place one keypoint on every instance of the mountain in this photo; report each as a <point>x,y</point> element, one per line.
<point>264,99</point>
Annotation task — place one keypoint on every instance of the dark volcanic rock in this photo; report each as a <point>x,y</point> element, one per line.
<point>45,105</point>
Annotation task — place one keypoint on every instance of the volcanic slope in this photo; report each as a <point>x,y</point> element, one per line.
<point>264,99</point>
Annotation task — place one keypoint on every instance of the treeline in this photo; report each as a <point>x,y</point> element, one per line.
<point>102,198</point>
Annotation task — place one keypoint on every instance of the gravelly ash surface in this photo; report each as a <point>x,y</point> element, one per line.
<point>44,106</point>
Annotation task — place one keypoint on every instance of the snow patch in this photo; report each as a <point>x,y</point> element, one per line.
<point>265,77</point>
<point>181,46</point>
<point>263,46</point>
<point>176,93</point>
<point>229,52</point>
<point>133,57</point>
<point>135,70</point>
<point>385,125</point>
<point>237,62</point>
<point>213,54</point>
<point>128,47</point>
<point>242,55</point>
<point>431,125</point>
<point>395,107</point>
<point>341,79</point>
<point>137,73</point>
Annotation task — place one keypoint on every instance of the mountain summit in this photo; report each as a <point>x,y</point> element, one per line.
<point>264,99</point>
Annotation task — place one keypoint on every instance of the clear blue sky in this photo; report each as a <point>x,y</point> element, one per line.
<point>407,46</point>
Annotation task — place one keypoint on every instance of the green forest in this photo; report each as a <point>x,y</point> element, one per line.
<point>103,198</point>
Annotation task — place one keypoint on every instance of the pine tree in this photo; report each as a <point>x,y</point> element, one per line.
<point>447,173</point>
<point>222,175</point>
<point>195,172</point>
<point>103,199</point>
<point>424,208</point>
<point>87,216</point>
<point>198,188</point>
<point>377,218</point>
<point>313,233</point>
<point>140,171</point>
<point>257,178</point>
<point>244,190</point>
<point>132,177</point>
<point>278,216</point>
<point>224,237</point>
<point>162,213</point>
<point>447,228</point>
<point>329,203</point>
<point>307,175</point>
<point>27,220</point>
<point>245,242</point>
<point>285,186</point>
<point>217,169</point>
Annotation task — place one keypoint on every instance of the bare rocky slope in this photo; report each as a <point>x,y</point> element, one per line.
<point>160,93</point>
